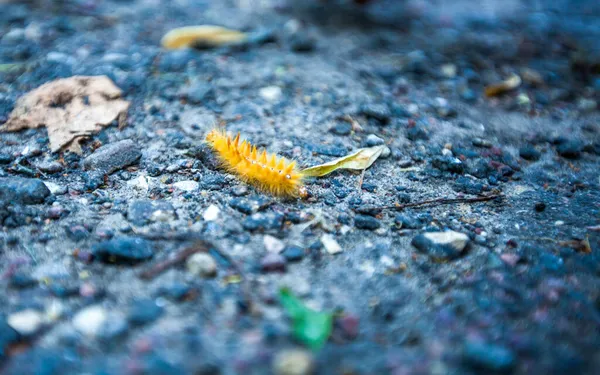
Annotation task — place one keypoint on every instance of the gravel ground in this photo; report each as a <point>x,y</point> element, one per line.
<point>510,286</point>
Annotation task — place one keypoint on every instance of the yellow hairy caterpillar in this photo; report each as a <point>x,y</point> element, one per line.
<point>268,172</point>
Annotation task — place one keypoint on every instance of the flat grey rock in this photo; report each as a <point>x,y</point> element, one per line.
<point>113,156</point>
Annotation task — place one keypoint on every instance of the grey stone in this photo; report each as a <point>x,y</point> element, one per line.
<point>441,246</point>
<point>373,140</point>
<point>529,153</point>
<point>143,311</point>
<point>570,149</point>
<point>366,222</point>
<point>379,112</point>
<point>23,190</point>
<point>113,156</point>
<point>124,250</point>
<point>489,357</point>
<point>50,167</point>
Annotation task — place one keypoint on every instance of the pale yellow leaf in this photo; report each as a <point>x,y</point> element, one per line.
<point>358,160</point>
<point>202,35</point>
<point>499,88</point>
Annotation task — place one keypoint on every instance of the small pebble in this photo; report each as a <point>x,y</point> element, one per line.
<point>90,320</point>
<point>479,142</point>
<point>113,156</point>
<point>124,250</point>
<point>202,265</point>
<point>529,153</point>
<point>271,93</point>
<point>379,112</point>
<point>143,311</point>
<point>373,140</point>
<point>330,244</point>
<point>349,325</point>
<point>293,362</point>
<point>366,222</point>
<point>441,245</point>
<point>23,190</point>
<point>50,167</point>
<point>293,253</point>
<point>211,213</point>
<point>273,244</point>
<point>341,128</point>
<point>273,262</point>
<point>570,149</point>
<point>188,185</point>
<point>489,357</point>
<point>26,322</point>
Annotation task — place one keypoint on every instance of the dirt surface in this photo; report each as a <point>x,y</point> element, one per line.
<point>315,81</point>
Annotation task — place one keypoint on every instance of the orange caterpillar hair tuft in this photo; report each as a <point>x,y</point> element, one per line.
<point>268,172</point>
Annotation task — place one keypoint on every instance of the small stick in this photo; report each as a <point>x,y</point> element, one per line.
<point>582,246</point>
<point>197,247</point>
<point>438,202</point>
<point>361,179</point>
<point>180,257</point>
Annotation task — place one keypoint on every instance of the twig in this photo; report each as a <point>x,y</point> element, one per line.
<point>432,202</point>
<point>197,247</point>
<point>582,246</point>
<point>167,236</point>
<point>361,179</point>
<point>31,254</point>
<point>180,257</point>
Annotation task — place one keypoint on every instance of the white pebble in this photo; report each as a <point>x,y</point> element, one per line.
<point>272,244</point>
<point>330,244</point>
<point>448,70</point>
<point>293,362</point>
<point>54,188</point>
<point>211,213</point>
<point>456,240</point>
<point>202,264</point>
<point>271,93</point>
<point>140,183</point>
<point>188,185</point>
<point>26,322</point>
<point>386,153</point>
<point>90,320</point>
<point>446,152</point>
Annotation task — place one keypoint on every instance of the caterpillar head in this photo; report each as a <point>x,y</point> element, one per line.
<point>212,135</point>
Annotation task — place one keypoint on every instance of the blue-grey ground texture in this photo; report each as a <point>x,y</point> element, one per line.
<point>315,80</point>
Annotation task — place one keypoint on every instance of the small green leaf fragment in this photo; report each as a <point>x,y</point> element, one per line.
<point>309,326</point>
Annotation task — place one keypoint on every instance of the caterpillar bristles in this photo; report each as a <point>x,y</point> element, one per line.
<point>267,172</point>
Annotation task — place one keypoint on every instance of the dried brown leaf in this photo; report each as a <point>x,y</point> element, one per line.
<point>70,108</point>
